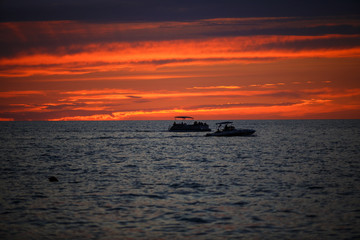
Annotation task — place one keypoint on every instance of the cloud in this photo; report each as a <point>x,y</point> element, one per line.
<point>136,97</point>
<point>101,58</point>
<point>267,85</point>
<point>316,43</point>
<point>12,94</point>
<point>106,104</point>
<point>73,37</point>
<point>112,95</point>
<point>6,119</point>
<point>221,63</point>
<point>160,10</point>
<point>243,105</point>
<point>217,87</point>
<point>136,103</point>
<point>303,109</point>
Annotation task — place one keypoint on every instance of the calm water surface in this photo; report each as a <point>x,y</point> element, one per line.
<point>134,180</point>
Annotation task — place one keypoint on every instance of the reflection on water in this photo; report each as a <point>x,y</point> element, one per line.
<point>293,180</point>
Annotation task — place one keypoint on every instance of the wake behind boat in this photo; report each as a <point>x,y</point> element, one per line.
<point>184,126</point>
<point>226,129</point>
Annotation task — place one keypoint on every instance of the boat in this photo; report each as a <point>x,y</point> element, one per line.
<point>226,129</point>
<point>184,126</point>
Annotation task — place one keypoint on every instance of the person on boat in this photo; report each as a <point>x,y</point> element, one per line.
<point>228,128</point>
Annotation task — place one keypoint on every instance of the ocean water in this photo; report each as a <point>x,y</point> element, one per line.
<point>294,179</point>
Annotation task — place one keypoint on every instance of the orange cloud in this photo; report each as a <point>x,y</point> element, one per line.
<point>6,119</point>
<point>316,101</point>
<point>332,93</point>
<point>11,94</point>
<point>113,94</point>
<point>299,110</point>
<point>217,87</point>
<point>267,85</point>
<point>211,68</point>
<point>115,56</point>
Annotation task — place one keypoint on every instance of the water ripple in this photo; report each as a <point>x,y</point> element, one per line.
<point>135,180</point>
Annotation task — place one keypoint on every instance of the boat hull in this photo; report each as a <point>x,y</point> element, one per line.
<point>237,132</point>
<point>189,128</point>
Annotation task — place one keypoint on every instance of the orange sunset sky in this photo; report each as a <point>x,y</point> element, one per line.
<point>145,60</point>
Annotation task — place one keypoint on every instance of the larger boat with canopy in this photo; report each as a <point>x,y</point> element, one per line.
<point>185,124</point>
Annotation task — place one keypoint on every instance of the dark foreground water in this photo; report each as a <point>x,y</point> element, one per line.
<point>135,180</point>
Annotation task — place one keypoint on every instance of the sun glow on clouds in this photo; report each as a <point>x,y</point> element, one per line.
<point>112,100</point>
<point>217,87</point>
<point>213,68</point>
<point>10,94</point>
<point>286,111</point>
<point>230,49</point>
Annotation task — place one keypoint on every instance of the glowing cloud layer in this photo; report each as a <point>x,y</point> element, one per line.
<point>213,68</point>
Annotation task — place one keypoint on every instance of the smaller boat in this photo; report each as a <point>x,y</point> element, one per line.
<point>184,126</point>
<point>226,129</point>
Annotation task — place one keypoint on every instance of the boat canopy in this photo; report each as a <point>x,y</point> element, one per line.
<point>184,117</point>
<point>221,123</point>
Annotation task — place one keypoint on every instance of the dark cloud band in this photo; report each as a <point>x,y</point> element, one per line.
<point>164,10</point>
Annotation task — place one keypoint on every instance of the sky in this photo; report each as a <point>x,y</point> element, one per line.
<point>152,60</point>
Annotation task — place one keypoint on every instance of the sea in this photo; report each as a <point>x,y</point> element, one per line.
<point>293,179</point>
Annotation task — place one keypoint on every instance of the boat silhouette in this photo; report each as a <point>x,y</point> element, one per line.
<point>226,129</point>
<point>185,126</point>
